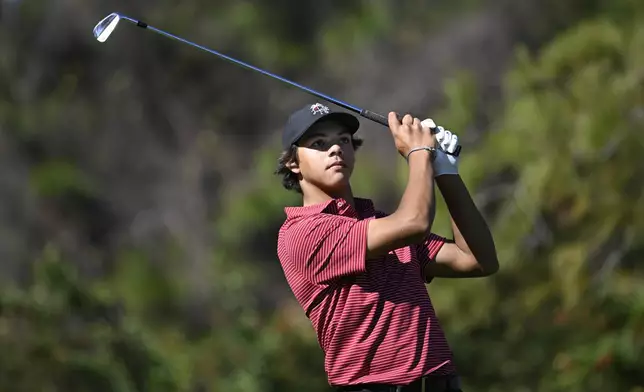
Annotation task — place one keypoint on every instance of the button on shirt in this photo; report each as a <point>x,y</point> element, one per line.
<point>374,320</point>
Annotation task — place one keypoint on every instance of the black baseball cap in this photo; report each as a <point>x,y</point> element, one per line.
<point>300,121</point>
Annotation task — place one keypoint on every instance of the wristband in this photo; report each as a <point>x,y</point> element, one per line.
<point>432,152</point>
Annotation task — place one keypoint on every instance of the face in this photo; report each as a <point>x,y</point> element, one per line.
<point>325,157</point>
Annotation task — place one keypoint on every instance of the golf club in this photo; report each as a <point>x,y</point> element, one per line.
<point>106,26</point>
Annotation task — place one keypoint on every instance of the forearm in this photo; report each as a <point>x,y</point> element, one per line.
<point>432,205</point>
<point>459,240</point>
<point>417,202</point>
<point>471,232</point>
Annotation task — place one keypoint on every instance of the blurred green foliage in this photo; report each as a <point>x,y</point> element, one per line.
<point>565,312</point>
<point>557,172</point>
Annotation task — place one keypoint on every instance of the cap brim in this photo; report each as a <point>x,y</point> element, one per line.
<point>345,119</point>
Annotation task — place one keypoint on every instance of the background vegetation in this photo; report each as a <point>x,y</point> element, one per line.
<point>138,210</point>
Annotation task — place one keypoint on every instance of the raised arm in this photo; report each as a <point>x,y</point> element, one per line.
<point>472,252</point>
<point>413,217</point>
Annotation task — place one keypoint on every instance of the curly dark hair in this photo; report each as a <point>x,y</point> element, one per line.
<point>289,179</point>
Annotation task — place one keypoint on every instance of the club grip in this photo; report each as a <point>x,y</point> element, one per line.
<point>373,116</point>
<point>380,119</point>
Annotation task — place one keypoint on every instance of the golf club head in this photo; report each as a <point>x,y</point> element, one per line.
<point>105,27</point>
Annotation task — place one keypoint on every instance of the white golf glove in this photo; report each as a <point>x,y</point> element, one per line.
<point>447,141</point>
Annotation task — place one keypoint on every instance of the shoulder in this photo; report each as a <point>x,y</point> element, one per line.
<point>310,220</point>
<point>309,227</point>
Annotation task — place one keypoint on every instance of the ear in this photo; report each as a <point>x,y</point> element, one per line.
<point>293,166</point>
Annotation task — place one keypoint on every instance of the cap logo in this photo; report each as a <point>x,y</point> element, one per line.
<point>318,108</point>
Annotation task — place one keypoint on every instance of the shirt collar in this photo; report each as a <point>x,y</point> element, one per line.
<point>339,206</point>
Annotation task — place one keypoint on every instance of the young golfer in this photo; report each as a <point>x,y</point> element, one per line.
<point>360,274</point>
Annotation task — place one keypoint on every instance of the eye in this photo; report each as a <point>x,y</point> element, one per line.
<point>317,143</point>
<point>345,140</point>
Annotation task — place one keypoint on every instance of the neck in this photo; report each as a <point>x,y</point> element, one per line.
<point>313,195</point>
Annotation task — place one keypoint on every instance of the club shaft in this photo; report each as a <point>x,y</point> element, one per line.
<point>318,94</point>
<point>373,116</point>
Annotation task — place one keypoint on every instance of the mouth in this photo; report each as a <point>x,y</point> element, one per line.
<point>337,164</point>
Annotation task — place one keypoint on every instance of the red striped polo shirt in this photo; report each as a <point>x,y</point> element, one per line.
<point>374,320</point>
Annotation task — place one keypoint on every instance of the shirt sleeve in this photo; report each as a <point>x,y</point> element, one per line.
<point>427,252</point>
<point>328,247</point>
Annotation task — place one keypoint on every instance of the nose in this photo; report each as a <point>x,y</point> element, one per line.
<point>335,149</point>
